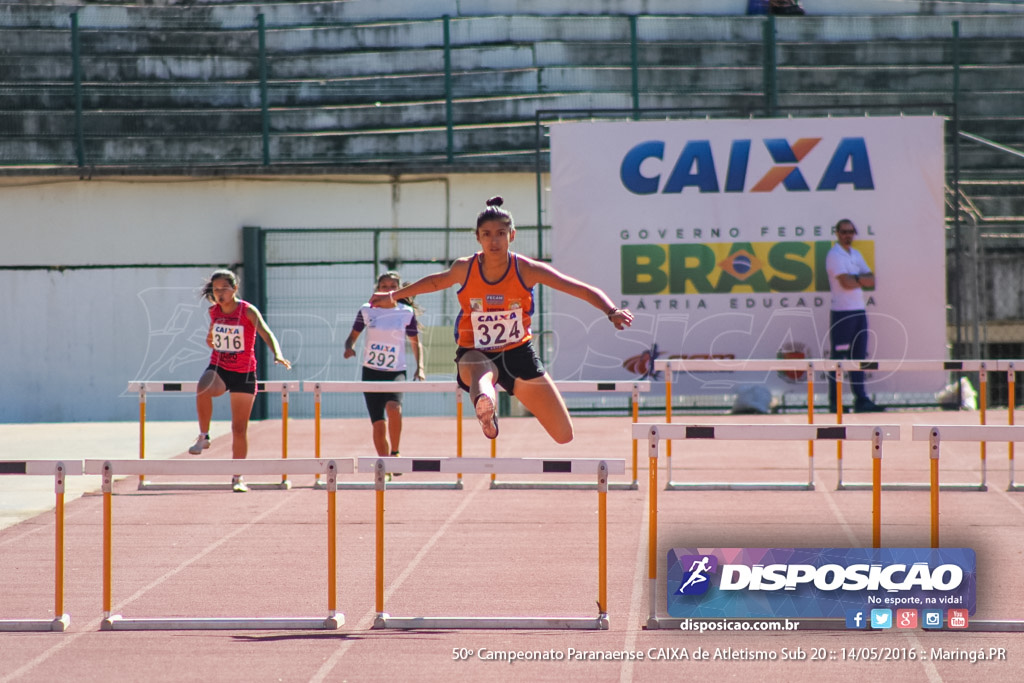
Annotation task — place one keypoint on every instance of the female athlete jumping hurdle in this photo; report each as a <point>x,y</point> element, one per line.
<point>493,327</point>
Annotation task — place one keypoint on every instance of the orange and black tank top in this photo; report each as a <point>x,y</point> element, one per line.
<point>495,316</point>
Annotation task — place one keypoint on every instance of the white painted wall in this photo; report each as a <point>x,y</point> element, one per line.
<point>100,278</point>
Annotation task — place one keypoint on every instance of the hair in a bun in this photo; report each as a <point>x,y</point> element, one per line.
<point>494,212</point>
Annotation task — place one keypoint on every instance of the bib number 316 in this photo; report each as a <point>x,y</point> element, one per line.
<point>228,338</point>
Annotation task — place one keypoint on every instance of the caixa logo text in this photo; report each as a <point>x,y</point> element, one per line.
<point>831,577</point>
<point>695,167</point>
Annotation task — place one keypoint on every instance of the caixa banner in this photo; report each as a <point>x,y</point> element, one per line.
<point>816,582</point>
<point>715,234</point>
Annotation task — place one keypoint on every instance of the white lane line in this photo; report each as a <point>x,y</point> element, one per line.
<point>1012,500</point>
<point>636,600</point>
<point>367,620</point>
<point>851,535</point>
<point>929,668</point>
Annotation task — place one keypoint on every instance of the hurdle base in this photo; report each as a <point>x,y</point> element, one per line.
<point>118,623</point>
<point>547,485</point>
<point>211,486</point>
<point>284,485</point>
<point>12,625</point>
<point>896,486</point>
<point>806,624</point>
<point>1015,487</point>
<point>369,485</point>
<point>385,621</point>
<point>184,486</point>
<point>739,486</point>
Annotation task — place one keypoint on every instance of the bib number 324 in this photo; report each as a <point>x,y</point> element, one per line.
<point>495,329</point>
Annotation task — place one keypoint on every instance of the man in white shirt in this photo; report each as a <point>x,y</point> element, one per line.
<point>848,273</point>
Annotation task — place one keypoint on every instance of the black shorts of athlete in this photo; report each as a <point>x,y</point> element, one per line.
<point>377,401</point>
<point>240,382</point>
<point>520,362</point>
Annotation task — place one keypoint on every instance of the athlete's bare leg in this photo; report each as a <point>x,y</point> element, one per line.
<point>210,385</point>
<point>479,373</point>
<point>394,413</point>
<point>380,437</point>
<point>540,396</point>
<point>241,408</point>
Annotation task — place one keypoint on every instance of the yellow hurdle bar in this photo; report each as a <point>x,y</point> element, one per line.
<point>316,429</point>
<point>839,421</point>
<point>594,466</point>
<point>109,468</point>
<point>810,421</point>
<point>143,388</point>
<point>60,470</point>
<point>1011,384</point>
<point>983,409</point>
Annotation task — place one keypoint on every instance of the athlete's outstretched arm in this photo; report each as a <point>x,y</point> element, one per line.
<point>543,274</point>
<point>425,285</point>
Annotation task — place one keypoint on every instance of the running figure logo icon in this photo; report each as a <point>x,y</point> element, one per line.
<point>696,580</point>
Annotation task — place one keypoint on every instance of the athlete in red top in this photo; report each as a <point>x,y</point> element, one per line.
<point>493,328</point>
<point>234,325</point>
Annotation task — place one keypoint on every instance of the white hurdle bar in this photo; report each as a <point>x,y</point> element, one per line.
<point>749,432</point>
<point>981,367</point>
<point>634,388</point>
<point>598,467</point>
<point>670,365</point>
<point>144,388</point>
<point>319,388</point>
<point>110,468</point>
<point>59,469</point>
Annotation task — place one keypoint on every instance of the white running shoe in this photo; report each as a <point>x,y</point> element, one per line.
<point>238,484</point>
<point>202,443</point>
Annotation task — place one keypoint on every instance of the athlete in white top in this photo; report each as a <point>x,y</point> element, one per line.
<point>384,360</point>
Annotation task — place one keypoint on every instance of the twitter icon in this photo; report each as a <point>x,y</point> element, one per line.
<point>881,618</point>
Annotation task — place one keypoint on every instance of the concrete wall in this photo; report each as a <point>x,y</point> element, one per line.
<point>100,278</point>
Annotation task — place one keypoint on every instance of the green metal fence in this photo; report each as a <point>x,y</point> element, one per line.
<point>313,282</point>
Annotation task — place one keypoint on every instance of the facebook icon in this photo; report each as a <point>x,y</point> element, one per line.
<point>855,618</point>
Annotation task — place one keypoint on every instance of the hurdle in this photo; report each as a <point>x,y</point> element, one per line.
<point>109,468</point>
<point>600,468</point>
<point>319,388</point>
<point>144,388</point>
<point>749,432</point>
<point>576,386</point>
<point>668,366</point>
<point>60,469</point>
<point>979,366</point>
<point>934,435</point>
